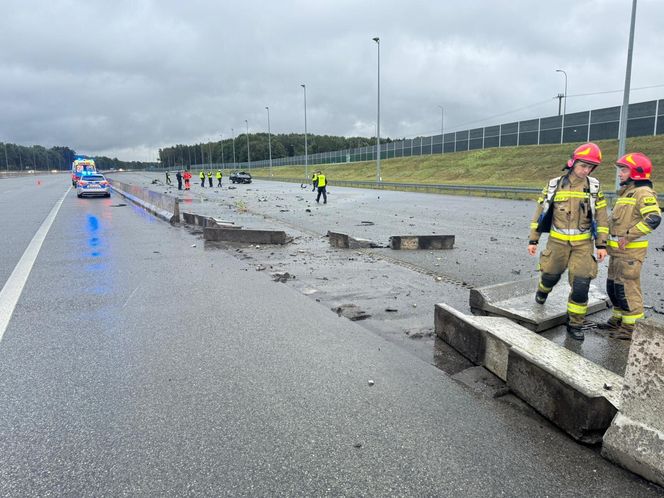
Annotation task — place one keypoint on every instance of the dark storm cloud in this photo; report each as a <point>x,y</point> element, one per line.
<point>127,77</point>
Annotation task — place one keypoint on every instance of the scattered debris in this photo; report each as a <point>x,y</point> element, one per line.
<point>260,268</point>
<point>282,277</point>
<point>118,205</point>
<point>608,386</point>
<point>366,223</point>
<point>352,312</point>
<point>516,272</point>
<point>357,445</point>
<point>371,382</point>
<point>193,245</point>
<point>307,210</point>
<point>391,310</point>
<point>493,239</point>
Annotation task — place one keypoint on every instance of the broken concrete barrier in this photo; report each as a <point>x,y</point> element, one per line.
<point>198,220</point>
<point>635,439</point>
<point>577,395</point>
<point>246,236</point>
<point>345,241</point>
<point>414,242</point>
<point>162,206</point>
<point>516,301</point>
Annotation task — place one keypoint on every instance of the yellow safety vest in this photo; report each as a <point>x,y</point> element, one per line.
<point>218,175</point>
<point>201,175</point>
<point>321,181</point>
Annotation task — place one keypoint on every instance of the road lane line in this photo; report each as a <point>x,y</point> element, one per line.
<point>13,288</point>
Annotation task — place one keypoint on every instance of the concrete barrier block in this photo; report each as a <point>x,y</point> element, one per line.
<point>583,413</point>
<point>345,241</point>
<point>163,206</point>
<point>635,439</point>
<point>415,242</point>
<point>563,386</point>
<point>246,236</point>
<point>516,301</point>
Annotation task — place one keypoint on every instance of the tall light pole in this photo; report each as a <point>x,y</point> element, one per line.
<point>248,151</point>
<point>6,160</point>
<point>562,127</point>
<point>622,134</point>
<point>306,148</point>
<point>234,162</point>
<point>378,175</point>
<point>269,137</point>
<point>222,152</point>
<point>442,135</point>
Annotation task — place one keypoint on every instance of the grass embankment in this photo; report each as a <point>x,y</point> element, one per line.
<point>526,166</point>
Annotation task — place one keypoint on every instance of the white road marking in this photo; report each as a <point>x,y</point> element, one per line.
<point>13,288</point>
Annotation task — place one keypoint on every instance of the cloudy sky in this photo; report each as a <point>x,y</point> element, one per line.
<point>124,78</point>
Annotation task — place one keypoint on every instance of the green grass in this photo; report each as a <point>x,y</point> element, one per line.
<point>527,166</point>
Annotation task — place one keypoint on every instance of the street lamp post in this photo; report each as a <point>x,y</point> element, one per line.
<point>562,127</point>
<point>306,148</point>
<point>248,151</point>
<point>622,134</point>
<point>234,162</point>
<point>378,175</point>
<point>442,135</point>
<point>269,137</point>
<point>222,152</point>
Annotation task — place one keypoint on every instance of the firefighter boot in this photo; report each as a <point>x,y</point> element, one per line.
<point>612,324</point>
<point>575,332</point>
<point>623,332</point>
<point>540,297</point>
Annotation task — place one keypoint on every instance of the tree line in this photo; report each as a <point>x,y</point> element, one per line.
<point>283,145</point>
<point>15,157</point>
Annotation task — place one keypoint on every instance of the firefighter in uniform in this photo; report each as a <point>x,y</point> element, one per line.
<point>201,175</point>
<point>219,175</point>
<point>635,214</point>
<point>572,209</point>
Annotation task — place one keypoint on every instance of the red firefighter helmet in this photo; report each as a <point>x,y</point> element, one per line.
<point>640,165</point>
<point>588,153</point>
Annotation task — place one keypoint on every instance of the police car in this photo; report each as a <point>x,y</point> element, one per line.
<point>93,184</point>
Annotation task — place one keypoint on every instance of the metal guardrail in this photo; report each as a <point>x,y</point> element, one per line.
<point>435,187</point>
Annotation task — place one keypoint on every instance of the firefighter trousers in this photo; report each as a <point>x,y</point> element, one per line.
<point>623,285</point>
<point>579,261</point>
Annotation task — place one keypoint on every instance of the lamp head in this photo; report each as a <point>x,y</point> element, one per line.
<point>376,39</point>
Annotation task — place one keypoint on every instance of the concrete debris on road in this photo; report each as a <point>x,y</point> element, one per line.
<point>352,312</point>
<point>281,276</point>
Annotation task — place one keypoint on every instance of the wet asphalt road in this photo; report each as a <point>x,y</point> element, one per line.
<point>136,364</point>
<point>490,248</point>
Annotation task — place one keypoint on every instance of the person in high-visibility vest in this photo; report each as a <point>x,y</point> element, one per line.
<point>209,174</point>
<point>314,181</point>
<point>187,177</point>
<point>219,175</point>
<point>572,209</point>
<point>635,215</point>
<point>321,184</point>
<point>201,175</point>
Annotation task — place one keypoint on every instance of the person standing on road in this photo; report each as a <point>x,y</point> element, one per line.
<point>635,214</point>
<point>168,178</point>
<point>572,209</point>
<point>209,175</point>
<point>178,177</point>
<point>201,175</point>
<point>187,177</point>
<point>314,181</point>
<point>219,176</point>
<point>321,183</point>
